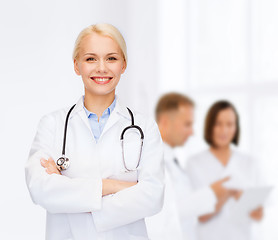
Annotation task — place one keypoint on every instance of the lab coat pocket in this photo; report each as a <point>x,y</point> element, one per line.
<point>131,152</point>
<point>128,161</point>
<point>127,157</point>
<point>126,168</point>
<point>131,149</point>
<point>126,176</point>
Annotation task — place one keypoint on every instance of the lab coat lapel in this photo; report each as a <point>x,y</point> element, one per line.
<point>79,110</point>
<point>119,112</point>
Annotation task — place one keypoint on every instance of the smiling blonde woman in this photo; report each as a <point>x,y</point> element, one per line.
<point>102,187</point>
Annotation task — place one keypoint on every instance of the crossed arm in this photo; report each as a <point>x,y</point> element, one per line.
<point>57,193</point>
<point>109,186</point>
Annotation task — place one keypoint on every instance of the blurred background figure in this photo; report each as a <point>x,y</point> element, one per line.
<point>177,220</point>
<point>222,130</point>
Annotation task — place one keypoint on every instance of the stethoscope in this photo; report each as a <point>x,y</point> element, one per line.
<point>63,162</point>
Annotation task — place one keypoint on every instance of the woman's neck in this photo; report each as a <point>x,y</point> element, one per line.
<point>98,103</point>
<point>223,154</point>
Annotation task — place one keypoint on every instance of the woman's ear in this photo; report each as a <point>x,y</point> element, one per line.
<point>76,69</point>
<point>124,67</point>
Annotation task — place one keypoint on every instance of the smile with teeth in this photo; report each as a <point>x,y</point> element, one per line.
<point>101,80</point>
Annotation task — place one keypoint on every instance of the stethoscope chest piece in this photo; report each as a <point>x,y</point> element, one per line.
<point>63,163</point>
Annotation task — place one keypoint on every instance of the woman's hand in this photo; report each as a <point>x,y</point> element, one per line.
<point>50,166</point>
<point>219,190</point>
<point>111,186</point>
<point>222,198</point>
<point>218,207</point>
<point>257,214</point>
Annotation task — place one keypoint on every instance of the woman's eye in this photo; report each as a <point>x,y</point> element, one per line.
<point>90,59</point>
<point>112,59</point>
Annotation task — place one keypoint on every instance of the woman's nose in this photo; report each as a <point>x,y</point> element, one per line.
<point>101,66</point>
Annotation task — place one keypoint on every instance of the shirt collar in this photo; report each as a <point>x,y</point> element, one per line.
<point>108,110</point>
<point>169,153</point>
<point>119,108</point>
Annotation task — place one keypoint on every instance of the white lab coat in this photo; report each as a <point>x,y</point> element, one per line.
<point>74,203</point>
<point>204,169</point>
<point>178,217</point>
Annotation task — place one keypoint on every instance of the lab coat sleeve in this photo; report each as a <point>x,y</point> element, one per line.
<point>57,193</point>
<point>166,224</point>
<point>146,197</point>
<point>201,200</point>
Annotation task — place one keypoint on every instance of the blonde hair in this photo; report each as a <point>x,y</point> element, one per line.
<point>103,29</point>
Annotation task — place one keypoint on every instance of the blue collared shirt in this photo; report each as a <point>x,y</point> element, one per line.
<point>98,126</point>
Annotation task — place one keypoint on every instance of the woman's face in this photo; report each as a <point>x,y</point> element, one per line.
<point>100,63</point>
<point>225,128</point>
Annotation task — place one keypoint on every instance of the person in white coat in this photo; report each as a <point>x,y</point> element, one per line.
<point>221,159</point>
<point>182,205</point>
<point>108,188</point>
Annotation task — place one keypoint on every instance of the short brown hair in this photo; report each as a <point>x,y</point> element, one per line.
<point>211,119</point>
<point>171,101</point>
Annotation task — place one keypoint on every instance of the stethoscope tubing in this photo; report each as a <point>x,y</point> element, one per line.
<point>65,160</point>
<point>65,130</point>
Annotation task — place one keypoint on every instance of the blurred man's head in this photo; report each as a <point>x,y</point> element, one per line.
<point>174,116</point>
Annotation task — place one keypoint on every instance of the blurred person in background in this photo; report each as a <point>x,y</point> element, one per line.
<point>182,206</point>
<point>222,130</point>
